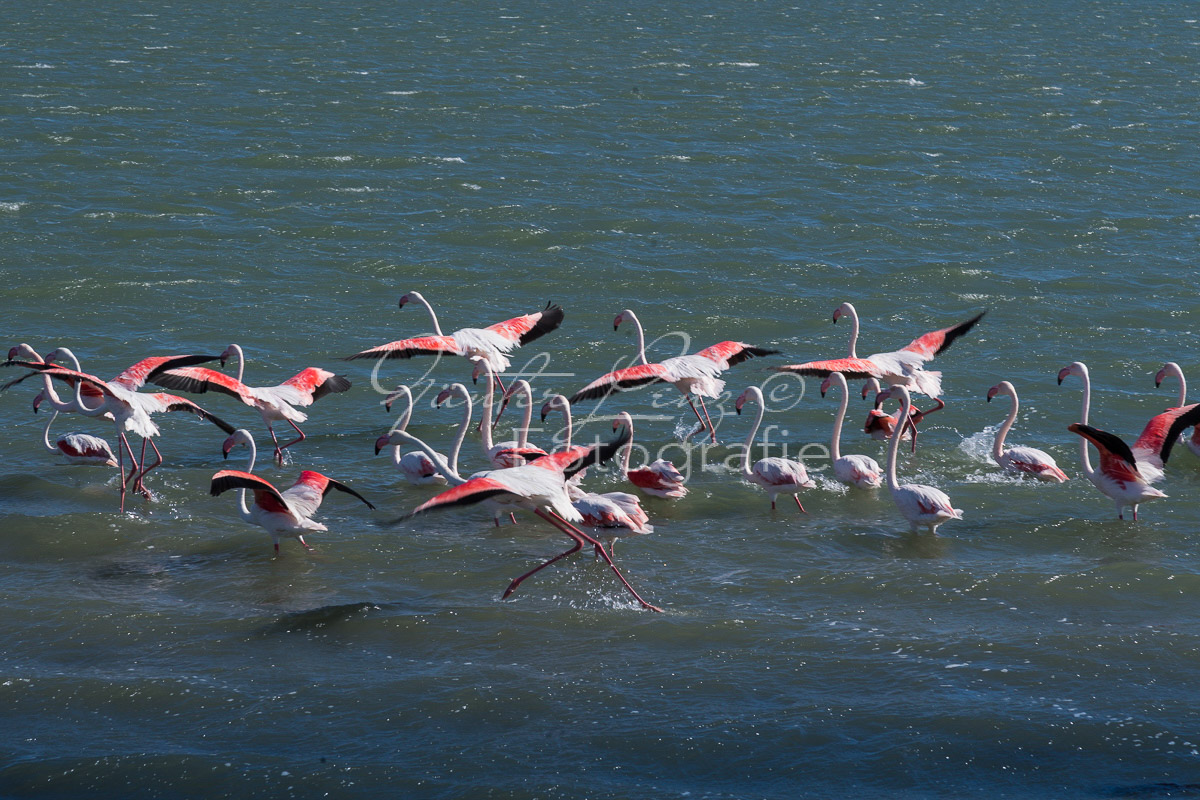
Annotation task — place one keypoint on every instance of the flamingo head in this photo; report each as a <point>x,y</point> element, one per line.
<point>552,404</point>
<point>1170,368</point>
<point>410,297</point>
<point>37,401</point>
<point>880,425</point>
<point>845,309</point>
<point>228,354</point>
<point>871,385</point>
<point>443,396</point>
<point>1076,368</point>
<point>825,384</point>
<point>240,436</point>
<point>741,401</point>
<point>481,368</point>
<point>992,392</point>
<point>385,441</point>
<point>23,352</point>
<point>396,394</point>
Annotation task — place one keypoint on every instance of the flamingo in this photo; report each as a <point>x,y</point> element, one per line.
<point>415,466</point>
<point>490,345</point>
<point>697,373</point>
<point>921,505</point>
<point>776,475</point>
<point>1119,476</point>
<point>904,367</point>
<point>881,425</point>
<point>274,403</point>
<point>1022,460</point>
<point>659,478</point>
<point>540,487</point>
<point>1171,369</point>
<point>129,409</point>
<point>513,453</point>
<point>1147,449</point>
<point>854,470</point>
<point>80,448</point>
<point>560,402</point>
<point>286,513</point>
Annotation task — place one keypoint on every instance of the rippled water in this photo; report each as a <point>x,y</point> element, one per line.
<point>179,177</point>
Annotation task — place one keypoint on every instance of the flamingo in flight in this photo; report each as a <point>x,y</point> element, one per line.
<point>1148,447</point>
<point>1171,369</point>
<point>923,506</point>
<point>697,373</point>
<point>286,513</point>
<point>540,487</point>
<point>904,367</point>
<point>1022,460</point>
<point>130,411</point>
<point>776,475</point>
<point>881,425</point>
<point>659,478</point>
<point>490,345</point>
<point>273,403</point>
<point>414,465</point>
<point>853,470</point>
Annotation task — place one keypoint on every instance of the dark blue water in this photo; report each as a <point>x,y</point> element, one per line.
<point>176,178</point>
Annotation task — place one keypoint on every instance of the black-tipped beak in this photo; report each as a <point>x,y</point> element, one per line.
<point>739,411</point>
<point>989,398</point>
<point>1060,381</point>
<point>377,449</point>
<point>822,393</point>
<point>616,327</point>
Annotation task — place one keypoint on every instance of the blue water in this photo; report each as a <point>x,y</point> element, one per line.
<point>175,178</point>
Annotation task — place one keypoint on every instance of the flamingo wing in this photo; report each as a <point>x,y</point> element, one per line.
<point>935,342</point>
<point>850,367</point>
<point>729,354</point>
<point>310,385</point>
<point>620,380</point>
<point>474,490</point>
<point>407,348</point>
<point>578,458</point>
<point>1116,458</point>
<point>91,384</point>
<point>200,380</point>
<point>306,494</point>
<point>523,330</point>
<point>160,402</point>
<point>136,376</point>
<point>1189,417</point>
<point>266,496</point>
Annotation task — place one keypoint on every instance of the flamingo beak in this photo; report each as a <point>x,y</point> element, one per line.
<point>992,392</point>
<point>380,443</point>
<point>1158,379</point>
<point>1063,373</point>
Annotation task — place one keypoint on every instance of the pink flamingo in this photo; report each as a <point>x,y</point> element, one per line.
<point>80,448</point>
<point>1119,476</point>
<point>904,367</point>
<point>130,411</point>
<point>286,513</point>
<point>541,488</point>
<point>922,506</point>
<point>1023,460</point>
<point>415,466</point>
<point>776,475</point>
<point>880,425</point>
<point>273,403</point>
<point>698,374</point>
<point>489,345</point>
<point>659,478</point>
<point>853,470</point>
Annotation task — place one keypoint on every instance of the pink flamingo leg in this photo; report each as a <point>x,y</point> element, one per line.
<point>121,464</point>
<point>563,525</point>
<point>278,451</point>
<point>306,545</point>
<point>797,499</point>
<point>517,582</point>
<point>712,431</point>
<point>139,486</point>
<point>279,448</point>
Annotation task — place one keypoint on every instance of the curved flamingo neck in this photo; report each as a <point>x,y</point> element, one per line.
<point>627,421</point>
<point>1173,369</point>
<point>564,405</point>
<point>241,359</point>
<point>46,432</point>
<point>836,444</point>
<point>248,440</point>
<point>437,329</point>
<point>853,329</point>
<point>998,445</point>
<point>527,415</point>
<point>756,395</point>
<point>58,404</point>
<point>463,425</point>
<point>485,432</point>
<point>641,335</point>
<point>404,419</point>
<point>894,445</point>
<point>449,473</point>
<point>1085,457</point>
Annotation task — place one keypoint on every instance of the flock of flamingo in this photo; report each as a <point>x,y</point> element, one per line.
<point>549,483</point>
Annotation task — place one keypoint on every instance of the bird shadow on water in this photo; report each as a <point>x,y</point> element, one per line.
<point>317,619</point>
<point>916,544</point>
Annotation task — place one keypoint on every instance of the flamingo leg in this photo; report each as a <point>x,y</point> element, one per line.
<point>121,440</point>
<point>278,451</point>
<point>574,549</point>
<point>797,499</point>
<point>139,486</point>
<point>306,545</point>
<point>279,448</point>
<point>563,525</point>
<point>711,429</point>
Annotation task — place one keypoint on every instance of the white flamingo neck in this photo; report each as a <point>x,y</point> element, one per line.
<point>894,445</point>
<point>437,329</point>
<point>1174,369</point>
<point>450,473</point>
<point>627,421</point>
<point>562,404</point>
<point>248,440</point>
<point>463,425</point>
<point>241,359</point>
<point>998,444</point>
<point>853,330</point>
<point>526,415</point>
<point>755,395</point>
<point>641,335</point>
<point>485,432</point>
<point>836,444</point>
<point>406,417</point>
<point>1085,458</point>
<point>46,432</point>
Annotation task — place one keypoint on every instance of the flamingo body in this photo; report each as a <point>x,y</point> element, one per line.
<point>1118,475</point>
<point>1021,460</point>
<point>923,506</point>
<point>776,475</point>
